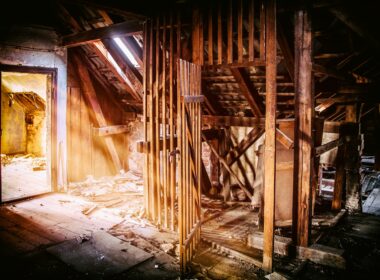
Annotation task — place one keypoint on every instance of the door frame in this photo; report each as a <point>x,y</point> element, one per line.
<point>52,144</point>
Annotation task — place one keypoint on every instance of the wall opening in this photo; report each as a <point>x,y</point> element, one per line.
<point>25,119</point>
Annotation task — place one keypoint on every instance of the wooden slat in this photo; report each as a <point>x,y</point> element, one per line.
<point>230,33</point>
<point>151,125</point>
<point>180,147</point>
<point>171,124</point>
<point>164,126</point>
<point>270,134</point>
<point>240,31</point>
<point>210,37</point>
<point>251,31</point>
<point>157,188</point>
<point>220,34</point>
<point>262,30</point>
<point>115,30</point>
<point>146,78</point>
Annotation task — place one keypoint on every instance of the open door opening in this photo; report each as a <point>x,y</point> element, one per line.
<point>25,119</point>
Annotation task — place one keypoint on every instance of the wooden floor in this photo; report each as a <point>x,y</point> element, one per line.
<point>26,225</point>
<point>18,180</point>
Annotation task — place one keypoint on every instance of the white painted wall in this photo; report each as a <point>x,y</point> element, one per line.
<point>38,46</point>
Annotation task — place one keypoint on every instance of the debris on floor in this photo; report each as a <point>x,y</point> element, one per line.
<point>372,203</point>
<point>39,164</point>
<point>124,182</point>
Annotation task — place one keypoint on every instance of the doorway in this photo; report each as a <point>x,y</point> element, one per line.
<point>26,132</point>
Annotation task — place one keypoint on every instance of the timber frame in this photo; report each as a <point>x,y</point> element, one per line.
<point>257,68</point>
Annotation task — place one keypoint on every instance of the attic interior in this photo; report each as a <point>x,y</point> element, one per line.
<point>190,140</point>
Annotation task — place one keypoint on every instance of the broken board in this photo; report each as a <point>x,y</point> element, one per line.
<point>101,256</point>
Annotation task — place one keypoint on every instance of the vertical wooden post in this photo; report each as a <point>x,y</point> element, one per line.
<point>251,39</point>
<point>351,115</point>
<point>270,134</point>
<point>171,122</point>
<point>210,37</point>
<point>240,31</point>
<point>318,134</point>
<point>304,112</point>
<point>352,164</point>
<point>164,158</point>
<point>262,30</point>
<point>220,39</point>
<point>145,112</point>
<point>340,174</point>
<point>157,167</point>
<point>230,33</point>
<point>214,162</point>
<point>152,168</point>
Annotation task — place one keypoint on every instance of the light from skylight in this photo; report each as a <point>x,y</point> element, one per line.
<point>126,51</point>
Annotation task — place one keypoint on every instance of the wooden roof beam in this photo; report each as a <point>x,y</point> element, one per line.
<point>249,91</point>
<point>115,30</point>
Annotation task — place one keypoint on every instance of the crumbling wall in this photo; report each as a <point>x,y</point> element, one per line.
<point>13,138</point>
<point>36,133</point>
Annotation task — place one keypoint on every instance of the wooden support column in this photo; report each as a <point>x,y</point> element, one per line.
<point>340,173</point>
<point>351,115</point>
<point>352,164</point>
<point>270,135</point>
<point>304,111</point>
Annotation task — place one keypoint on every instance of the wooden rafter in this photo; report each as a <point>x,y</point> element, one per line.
<point>249,91</point>
<point>115,30</point>
<point>91,98</point>
<point>133,76</point>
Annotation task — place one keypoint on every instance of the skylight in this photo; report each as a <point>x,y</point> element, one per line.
<point>112,61</point>
<point>126,52</point>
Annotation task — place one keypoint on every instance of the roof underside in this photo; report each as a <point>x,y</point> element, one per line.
<point>346,56</point>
